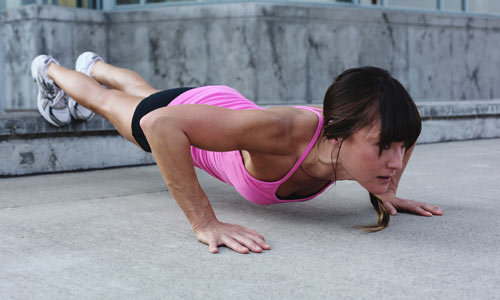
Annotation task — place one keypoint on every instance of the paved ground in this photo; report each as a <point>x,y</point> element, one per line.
<point>118,234</point>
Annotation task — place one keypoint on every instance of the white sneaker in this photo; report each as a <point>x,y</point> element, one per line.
<point>83,64</point>
<point>52,101</point>
<point>86,61</point>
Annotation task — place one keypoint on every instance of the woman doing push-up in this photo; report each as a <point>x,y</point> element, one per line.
<point>365,131</point>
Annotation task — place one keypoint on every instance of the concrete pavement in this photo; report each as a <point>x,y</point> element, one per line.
<point>118,234</point>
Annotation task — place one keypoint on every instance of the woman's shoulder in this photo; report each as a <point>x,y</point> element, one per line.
<point>298,116</point>
<point>301,123</point>
<point>298,129</point>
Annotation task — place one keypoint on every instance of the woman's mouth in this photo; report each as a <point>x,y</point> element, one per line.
<point>384,179</point>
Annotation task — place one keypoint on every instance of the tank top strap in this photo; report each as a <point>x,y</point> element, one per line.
<point>311,143</point>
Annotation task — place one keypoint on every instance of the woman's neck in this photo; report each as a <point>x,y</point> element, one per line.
<point>321,161</point>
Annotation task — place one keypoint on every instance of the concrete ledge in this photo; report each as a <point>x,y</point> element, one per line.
<point>30,124</point>
<point>459,109</point>
<point>57,154</point>
<point>445,121</point>
<point>30,145</point>
<point>459,129</point>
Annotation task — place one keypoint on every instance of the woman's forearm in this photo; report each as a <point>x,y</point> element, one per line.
<point>393,204</point>
<point>393,185</point>
<point>171,150</point>
<point>170,141</point>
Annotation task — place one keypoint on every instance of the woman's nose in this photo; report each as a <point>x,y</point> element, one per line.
<point>396,159</point>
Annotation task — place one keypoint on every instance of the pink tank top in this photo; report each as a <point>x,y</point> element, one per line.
<point>228,166</point>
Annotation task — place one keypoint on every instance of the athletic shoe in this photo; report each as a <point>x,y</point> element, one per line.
<point>52,101</point>
<point>86,61</point>
<point>83,64</point>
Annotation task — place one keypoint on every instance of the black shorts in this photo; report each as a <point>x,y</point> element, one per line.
<point>148,104</point>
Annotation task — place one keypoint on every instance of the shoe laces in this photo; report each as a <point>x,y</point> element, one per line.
<point>60,100</point>
<point>56,96</point>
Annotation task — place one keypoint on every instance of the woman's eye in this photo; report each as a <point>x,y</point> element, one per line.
<point>385,147</point>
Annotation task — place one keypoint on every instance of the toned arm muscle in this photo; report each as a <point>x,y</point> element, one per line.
<point>221,129</point>
<point>172,130</point>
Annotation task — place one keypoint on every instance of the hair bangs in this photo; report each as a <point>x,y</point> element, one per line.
<point>400,119</point>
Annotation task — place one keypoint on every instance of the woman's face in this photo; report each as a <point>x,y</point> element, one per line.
<point>360,158</point>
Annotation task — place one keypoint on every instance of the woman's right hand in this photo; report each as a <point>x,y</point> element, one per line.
<point>236,237</point>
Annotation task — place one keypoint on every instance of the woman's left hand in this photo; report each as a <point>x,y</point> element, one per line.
<point>394,204</point>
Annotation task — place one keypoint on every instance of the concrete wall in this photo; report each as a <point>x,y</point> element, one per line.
<point>272,53</point>
<point>276,53</point>
<point>2,68</point>
<point>58,31</point>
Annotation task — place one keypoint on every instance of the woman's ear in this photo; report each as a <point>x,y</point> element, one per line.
<point>335,141</point>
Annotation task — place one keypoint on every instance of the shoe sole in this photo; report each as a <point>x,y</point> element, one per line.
<point>34,73</point>
<point>75,114</point>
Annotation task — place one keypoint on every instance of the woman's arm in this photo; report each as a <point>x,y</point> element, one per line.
<point>394,204</point>
<point>171,131</point>
<point>393,185</point>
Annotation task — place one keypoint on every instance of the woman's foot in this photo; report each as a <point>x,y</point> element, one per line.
<point>52,101</point>
<point>84,63</point>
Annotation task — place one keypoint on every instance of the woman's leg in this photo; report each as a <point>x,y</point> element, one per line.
<point>121,79</point>
<point>116,106</point>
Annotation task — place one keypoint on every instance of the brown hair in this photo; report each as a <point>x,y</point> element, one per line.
<point>360,96</point>
<point>383,215</point>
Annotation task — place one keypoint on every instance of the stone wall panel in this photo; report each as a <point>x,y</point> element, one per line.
<point>271,53</point>
<point>432,79</point>
<point>20,48</point>
<point>58,31</point>
<point>282,61</point>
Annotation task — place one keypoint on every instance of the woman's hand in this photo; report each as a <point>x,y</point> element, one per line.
<point>236,237</point>
<point>394,204</point>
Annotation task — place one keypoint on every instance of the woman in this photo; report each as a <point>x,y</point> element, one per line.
<point>366,132</point>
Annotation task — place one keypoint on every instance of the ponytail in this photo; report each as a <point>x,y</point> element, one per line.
<point>383,215</point>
